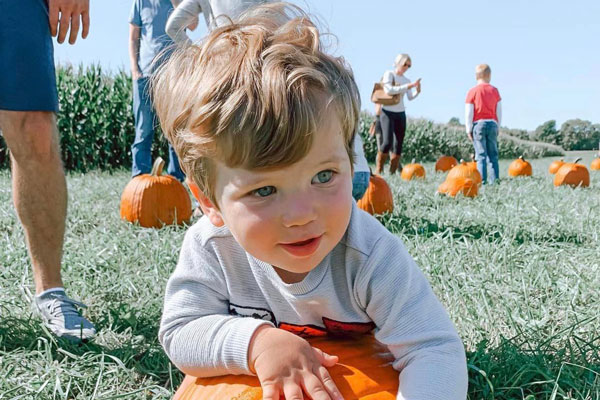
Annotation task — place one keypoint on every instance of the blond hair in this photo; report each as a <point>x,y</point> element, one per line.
<point>401,59</point>
<point>252,94</point>
<point>483,71</point>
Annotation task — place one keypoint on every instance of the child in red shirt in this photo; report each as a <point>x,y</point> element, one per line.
<point>483,113</point>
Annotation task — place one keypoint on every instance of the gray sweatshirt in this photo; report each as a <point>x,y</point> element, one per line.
<point>216,13</point>
<point>219,295</point>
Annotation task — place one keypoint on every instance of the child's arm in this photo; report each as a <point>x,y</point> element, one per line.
<point>184,15</point>
<point>469,112</point>
<point>499,112</point>
<point>197,332</point>
<point>413,324</point>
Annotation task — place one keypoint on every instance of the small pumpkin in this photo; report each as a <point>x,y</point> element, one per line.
<point>154,200</point>
<point>412,171</point>
<point>572,174</point>
<point>378,198</point>
<point>364,372</point>
<point>519,167</point>
<point>465,170</point>
<point>445,163</point>
<point>460,184</point>
<point>595,165</point>
<point>555,166</point>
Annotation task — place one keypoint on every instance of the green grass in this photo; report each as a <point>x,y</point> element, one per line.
<point>517,268</point>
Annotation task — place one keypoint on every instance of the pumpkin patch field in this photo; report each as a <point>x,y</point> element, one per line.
<point>517,267</point>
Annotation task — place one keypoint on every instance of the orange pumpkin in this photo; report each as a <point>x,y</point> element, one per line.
<point>572,174</point>
<point>465,170</point>
<point>460,184</point>
<point>445,163</point>
<point>555,166</point>
<point>412,171</point>
<point>595,165</point>
<point>154,200</point>
<point>519,167</point>
<point>364,372</point>
<point>378,198</point>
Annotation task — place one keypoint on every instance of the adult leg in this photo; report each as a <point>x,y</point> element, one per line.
<point>492,149</point>
<point>387,137</point>
<point>174,168</point>
<point>144,129</point>
<point>399,131</point>
<point>360,183</point>
<point>480,146</point>
<point>39,189</point>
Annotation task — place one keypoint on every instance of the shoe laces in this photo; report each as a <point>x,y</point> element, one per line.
<point>64,305</point>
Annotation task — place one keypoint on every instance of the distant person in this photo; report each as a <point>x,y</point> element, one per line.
<point>483,114</point>
<point>264,120</point>
<point>216,13</point>
<point>362,173</point>
<point>147,40</point>
<point>28,107</point>
<point>393,117</point>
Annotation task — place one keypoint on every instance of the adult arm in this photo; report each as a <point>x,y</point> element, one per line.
<point>499,112</point>
<point>197,332</point>
<point>413,324</point>
<point>73,13</point>
<point>469,113</point>
<point>183,16</point>
<point>134,51</point>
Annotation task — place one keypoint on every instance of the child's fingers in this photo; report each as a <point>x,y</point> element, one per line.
<point>270,392</point>
<point>325,359</point>
<point>320,386</point>
<point>293,391</point>
<point>328,382</point>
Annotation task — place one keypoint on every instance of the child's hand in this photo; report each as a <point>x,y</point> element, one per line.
<point>286,365</point>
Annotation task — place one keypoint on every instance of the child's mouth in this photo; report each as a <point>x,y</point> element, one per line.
<point>303,248</point>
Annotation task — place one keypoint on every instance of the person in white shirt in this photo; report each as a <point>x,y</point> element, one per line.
<point>393,117</point>
<point>362,172</point>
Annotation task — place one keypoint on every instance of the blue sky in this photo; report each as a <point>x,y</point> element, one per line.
<point>545,55</point>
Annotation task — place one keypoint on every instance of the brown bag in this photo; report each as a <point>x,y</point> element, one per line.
<point>379,96</point>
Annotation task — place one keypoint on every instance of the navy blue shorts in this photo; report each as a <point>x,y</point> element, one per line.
<point>27,76</point>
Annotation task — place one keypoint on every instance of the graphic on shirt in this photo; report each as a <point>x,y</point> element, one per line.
<point>254,312</point>
<point>345,328</point>
<point>304,331</point>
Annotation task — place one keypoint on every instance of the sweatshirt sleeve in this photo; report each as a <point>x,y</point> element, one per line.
<point>180,18</point>
<point>469,113</point>
<point>388,84</point>
<point>196,330</point>
<point>499,112</point>
<point>413,324</point>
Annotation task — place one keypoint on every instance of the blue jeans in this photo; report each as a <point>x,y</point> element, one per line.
<point>360,182</point>
<point>485,141</point>
<point>145,121</point>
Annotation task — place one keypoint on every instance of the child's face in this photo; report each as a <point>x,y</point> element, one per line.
<point>290,217</point>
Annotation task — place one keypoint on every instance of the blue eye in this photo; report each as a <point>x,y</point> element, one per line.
<point>323,176</point>
<point>264,191</point>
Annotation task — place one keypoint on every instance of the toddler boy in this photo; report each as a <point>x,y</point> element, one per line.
<point>263,121</point>
<point>483,113</point>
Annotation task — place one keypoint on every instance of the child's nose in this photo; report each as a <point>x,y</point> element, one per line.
<point>299,210</point>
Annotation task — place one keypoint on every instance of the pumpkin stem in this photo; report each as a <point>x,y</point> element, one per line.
<point>413,160</point>
<point>462,160</point>
<point>157,167</point>
<point>577,160</point>
<point>521,158</point>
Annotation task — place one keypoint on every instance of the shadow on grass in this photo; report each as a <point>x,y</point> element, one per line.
<point>399,223</point>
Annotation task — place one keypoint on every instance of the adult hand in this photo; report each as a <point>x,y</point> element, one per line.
<point>193,25</point>
<point>72,13</point>
<point>287,364</point>
<point>470,134</point>
<point>137,74</point>
<point>419,87</point>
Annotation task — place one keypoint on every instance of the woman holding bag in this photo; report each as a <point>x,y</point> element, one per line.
<point>393,117</point>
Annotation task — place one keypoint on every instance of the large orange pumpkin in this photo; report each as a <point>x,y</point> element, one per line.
<point>364,372</point>
<point>572,174</point>
<point>555,166</point>
<point>412,171</point>
<point>519,167</point>
<point>465,170</point>
<point>378,198</point>
<point>595,165</point>
<point>445,163</point>
<point>460,184</point>
<point>154,200</point>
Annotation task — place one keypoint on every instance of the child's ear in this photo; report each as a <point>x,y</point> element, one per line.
<point>207,206</point>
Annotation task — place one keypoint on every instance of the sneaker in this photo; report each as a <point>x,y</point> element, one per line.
<point>59,314</point>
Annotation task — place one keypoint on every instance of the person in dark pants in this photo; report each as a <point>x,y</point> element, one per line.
<point>28,107</point>
<point>393,117</point>
<point>147,40</point>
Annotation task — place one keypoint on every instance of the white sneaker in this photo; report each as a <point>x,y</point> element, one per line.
<point>59,314</point>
